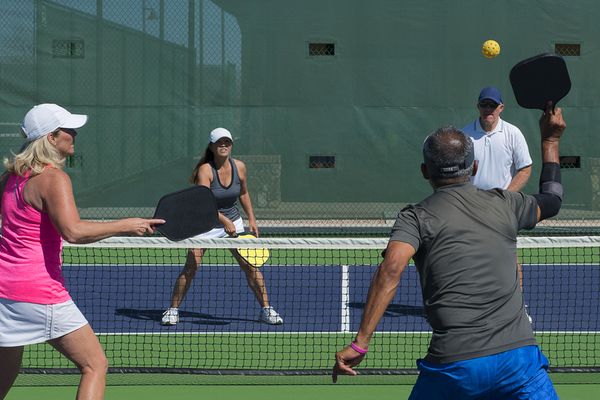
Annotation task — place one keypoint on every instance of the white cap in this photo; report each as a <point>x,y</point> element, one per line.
<point>45,118</point>
<point>219,133</point>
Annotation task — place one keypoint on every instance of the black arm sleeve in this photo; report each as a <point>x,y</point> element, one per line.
<point>551,191</point>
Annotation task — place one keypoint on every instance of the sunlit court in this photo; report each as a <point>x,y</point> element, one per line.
<point>307,126</point>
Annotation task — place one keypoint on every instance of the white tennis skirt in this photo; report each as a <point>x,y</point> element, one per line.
<point>220,232</point>
<point>23,323</point>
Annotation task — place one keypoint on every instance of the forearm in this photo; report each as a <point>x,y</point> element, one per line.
<point>383,288</point>
<point>520,179</point>
<point>83,231</point>
<point>549,199</point>
<point>222,219</point>
<point>550,194</point>
<point>550,151</point>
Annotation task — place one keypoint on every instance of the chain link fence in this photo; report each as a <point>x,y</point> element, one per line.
<point>329,119</point>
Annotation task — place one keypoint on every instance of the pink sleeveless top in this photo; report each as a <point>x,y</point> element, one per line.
<point>30,250</point>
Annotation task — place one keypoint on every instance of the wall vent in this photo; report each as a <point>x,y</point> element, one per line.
<point>568,49</point>
<point>570,161</point>
<point>321,49</point>
<point>68,48</point>
<point>321,162</point>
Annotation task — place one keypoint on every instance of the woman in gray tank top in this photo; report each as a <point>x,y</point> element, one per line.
<point>226,177</point>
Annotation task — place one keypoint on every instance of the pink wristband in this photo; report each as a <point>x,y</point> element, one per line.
<point>358,349</point>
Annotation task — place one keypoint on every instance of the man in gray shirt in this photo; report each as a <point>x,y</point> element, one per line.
<point>463,242</point>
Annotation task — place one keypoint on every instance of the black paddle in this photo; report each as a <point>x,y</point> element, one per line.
<point>540,79</point>
<point>187,213</point>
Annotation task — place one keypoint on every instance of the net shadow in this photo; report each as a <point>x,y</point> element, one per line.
<point>395,309</point>
<point>199,318</point>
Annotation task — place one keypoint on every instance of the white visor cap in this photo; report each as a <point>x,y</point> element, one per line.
<point>219,133</point>
<point>45,118</point>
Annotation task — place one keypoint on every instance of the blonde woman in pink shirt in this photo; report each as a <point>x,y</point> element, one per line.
<point>38,212</point>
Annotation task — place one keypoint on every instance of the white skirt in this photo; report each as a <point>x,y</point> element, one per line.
<point>23,323</point>
<point>220,232</point>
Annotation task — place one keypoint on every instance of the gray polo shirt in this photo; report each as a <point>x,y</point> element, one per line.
<point>466,257</point>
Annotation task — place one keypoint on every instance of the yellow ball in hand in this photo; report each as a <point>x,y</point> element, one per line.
<point>490,48</point>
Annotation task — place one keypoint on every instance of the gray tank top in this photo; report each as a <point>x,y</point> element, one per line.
<point>227,196</point>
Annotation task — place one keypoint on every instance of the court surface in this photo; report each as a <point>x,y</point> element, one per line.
<point>297,392</point>
<point>220,301</point>
<point>127,301</point>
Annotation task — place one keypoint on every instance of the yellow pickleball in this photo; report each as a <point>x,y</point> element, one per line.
<point>490,49</point>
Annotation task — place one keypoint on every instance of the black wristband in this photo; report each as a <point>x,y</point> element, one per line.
<point>550,180</point>
<point>550,173</point>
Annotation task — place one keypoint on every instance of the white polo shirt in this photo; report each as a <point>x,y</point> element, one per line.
<point>501,153</point>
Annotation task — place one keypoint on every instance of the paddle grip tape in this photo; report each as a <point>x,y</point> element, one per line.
<point>551,190</point>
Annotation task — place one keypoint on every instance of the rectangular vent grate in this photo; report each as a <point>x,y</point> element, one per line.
<point>321,49</point>
<point>68,48</point>
<point>321,162</point>
<point>568,49</point>
<point>570,161</point>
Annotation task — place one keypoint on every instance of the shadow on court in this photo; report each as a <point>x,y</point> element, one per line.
<point>191,317</point>
<point>396,310</point>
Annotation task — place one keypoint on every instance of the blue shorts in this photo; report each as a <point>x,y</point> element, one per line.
<point>516,374</point>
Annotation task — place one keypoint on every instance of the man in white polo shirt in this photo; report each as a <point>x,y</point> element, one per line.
<point>500,147</point>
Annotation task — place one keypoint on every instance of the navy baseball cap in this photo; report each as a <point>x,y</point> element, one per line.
<point>490,93</point>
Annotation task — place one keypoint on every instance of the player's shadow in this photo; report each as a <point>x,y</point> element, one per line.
<point>194,317</point>
<point>395,310</point>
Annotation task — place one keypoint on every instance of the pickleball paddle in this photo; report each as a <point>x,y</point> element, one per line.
<point>187,213</point>
<point>540,79</point>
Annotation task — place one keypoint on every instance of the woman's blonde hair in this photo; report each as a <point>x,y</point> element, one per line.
<point>34,157</point>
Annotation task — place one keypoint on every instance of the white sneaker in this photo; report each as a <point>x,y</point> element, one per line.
<point>268,315</point>
<point>170,317</point>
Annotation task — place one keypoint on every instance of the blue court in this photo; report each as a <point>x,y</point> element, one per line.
<point>131,299</point>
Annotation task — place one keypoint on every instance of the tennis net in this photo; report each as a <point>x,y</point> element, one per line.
<point>123,285</point>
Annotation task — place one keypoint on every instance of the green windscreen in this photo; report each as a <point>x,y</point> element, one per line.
<point>328,102</point>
